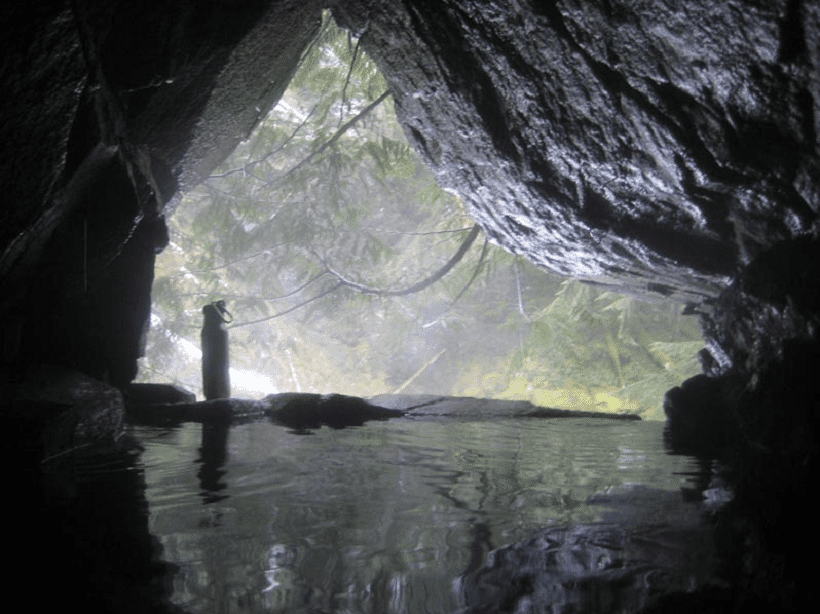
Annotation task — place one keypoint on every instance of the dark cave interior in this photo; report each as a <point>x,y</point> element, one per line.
<point>653,149</point>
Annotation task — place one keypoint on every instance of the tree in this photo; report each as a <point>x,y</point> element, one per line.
<point>349,270</point>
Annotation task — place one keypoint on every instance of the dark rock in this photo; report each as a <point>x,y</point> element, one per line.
<point>764,343</point>
<point>762,358</point>
<point>92,315</point>
<point>299,411</point>
<point>55,410</point>
<point>788,384</point>
<point>89,511</point>
<point>774,300</point>
<point>763,339</point>
<point>156,394</point>
<point>110,109</point>
<point>215,411</point>
<point>697,420</point>
<point>427,405</point>
<point>657,147</point>
<point>305,411</point>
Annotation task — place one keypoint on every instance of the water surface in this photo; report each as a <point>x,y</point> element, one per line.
<point>418,515</point>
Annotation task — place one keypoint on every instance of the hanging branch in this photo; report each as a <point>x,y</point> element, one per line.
<point>291,309</point>
<point>281,297</point>
<point>456,258</point>
<point>478,266</point>
<point>416,234</point>
<point>448,266</point>
<point>339,133</point>
<point>347,78</point>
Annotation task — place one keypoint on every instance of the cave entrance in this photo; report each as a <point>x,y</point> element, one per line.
<point>320,221</point>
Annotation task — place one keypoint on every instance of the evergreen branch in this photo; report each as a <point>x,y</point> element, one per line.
<point>226,265</point>
<point>417,287</point>
<point>231,262</point>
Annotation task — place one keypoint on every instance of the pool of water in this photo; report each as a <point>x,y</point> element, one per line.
<point>431,515</point>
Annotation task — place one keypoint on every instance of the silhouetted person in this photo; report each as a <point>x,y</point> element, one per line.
<point>216,381</point>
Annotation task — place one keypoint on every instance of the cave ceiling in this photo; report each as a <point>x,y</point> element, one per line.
<point>655,146</point>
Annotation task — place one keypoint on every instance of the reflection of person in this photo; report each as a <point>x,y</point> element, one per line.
<point>216,381</point>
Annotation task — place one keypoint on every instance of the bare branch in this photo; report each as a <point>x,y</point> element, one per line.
<point>520,297</point>
<point>262,298</point>
<point>338,134</point>
<point>421,370</point>
<point>478,266</point>
<point>417,287</point>
<point>347,78</point>
<point>417,234</point>
<point>245,168</point>
<point>294,308</point>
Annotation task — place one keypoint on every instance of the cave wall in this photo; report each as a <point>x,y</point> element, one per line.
<point>655,148</point>
<point>659,148</point>
<point>651,147</point>
<point>110,109</point>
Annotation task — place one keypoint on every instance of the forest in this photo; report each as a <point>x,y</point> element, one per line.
<point>347,269</point>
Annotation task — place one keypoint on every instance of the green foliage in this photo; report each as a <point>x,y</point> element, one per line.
<point>326,194</point>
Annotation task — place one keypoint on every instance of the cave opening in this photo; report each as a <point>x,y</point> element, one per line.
<point>701,185</point>
<point>316,225</point>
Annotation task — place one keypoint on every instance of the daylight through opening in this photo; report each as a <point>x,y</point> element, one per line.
<point>348,269</point>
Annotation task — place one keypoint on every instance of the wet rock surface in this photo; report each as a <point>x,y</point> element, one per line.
<point>147,394</point>
<point>655,148</point>
<point>648,148</point>
<point>420,405</point>
<point>110,110</point>
<point>305,411</point>
<point>56,410</point>
<point>697,417</point>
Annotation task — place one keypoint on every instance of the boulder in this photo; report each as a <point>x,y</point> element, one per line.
<point>55,410</point>
<point>156,394</point>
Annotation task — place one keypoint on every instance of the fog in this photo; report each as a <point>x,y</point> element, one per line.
<point>348,269</point>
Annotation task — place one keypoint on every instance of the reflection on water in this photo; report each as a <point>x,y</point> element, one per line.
<point>423,516</point>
